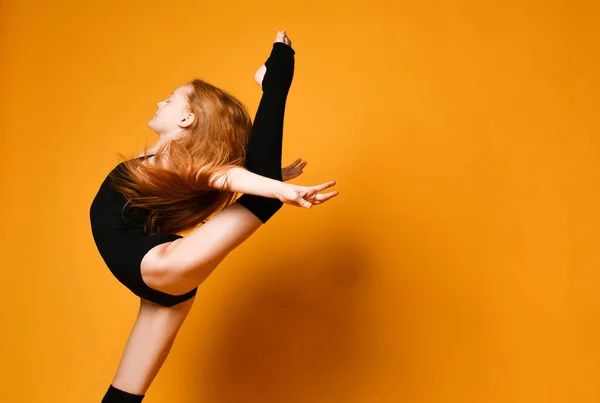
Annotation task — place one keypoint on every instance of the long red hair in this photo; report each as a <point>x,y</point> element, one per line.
<point>174,190</point>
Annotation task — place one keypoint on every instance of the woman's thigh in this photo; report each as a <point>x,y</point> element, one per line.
<point>179,266</point>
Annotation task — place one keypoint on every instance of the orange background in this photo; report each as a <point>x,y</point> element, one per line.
<point>460,262</point>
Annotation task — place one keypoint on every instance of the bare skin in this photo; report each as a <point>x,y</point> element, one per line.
<point>179,266</point>
<point>149,344</point>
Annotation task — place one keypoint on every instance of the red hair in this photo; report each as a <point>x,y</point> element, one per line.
<point>177,197</point>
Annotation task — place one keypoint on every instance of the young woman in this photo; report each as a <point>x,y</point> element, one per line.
<point>208,151</point>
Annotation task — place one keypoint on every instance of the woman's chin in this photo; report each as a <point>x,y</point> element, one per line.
<point>151,125</point>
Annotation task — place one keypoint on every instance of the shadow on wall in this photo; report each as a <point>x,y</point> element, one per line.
<point>297,333</point>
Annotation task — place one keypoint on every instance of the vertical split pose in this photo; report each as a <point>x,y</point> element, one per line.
<point>209,150</point>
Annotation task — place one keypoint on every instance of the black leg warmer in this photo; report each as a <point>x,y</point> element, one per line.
<point>264,149</point>
<point>114,395</point>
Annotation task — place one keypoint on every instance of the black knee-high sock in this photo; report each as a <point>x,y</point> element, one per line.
<point>263,154</point>
<point>114,395</point>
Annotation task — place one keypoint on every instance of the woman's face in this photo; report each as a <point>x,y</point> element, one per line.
<point>172,116</point>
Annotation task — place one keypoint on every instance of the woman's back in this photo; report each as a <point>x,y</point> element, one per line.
<point>119,232</point>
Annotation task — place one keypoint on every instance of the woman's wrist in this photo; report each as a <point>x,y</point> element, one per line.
<point>243,181</point>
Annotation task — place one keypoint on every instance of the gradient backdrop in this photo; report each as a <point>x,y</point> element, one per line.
<point>460,262</point>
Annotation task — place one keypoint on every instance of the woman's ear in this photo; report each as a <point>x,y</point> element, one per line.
<point>187,119</point>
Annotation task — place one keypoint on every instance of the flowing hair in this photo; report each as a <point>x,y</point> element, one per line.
<point>177,197</point>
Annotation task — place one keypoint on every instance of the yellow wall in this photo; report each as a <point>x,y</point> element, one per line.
<point>458,264</point>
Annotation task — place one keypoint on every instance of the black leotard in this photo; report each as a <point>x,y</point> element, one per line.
<point>118,230</point>
<point>122,243</point>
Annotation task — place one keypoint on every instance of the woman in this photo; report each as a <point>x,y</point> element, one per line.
<point>208,151</point>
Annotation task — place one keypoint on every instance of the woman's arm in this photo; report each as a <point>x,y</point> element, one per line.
<point>241,180</point>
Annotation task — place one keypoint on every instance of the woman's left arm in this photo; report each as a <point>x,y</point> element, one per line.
<point>241,180</point>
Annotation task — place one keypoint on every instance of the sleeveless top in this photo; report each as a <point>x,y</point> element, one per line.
<point>119,234</point>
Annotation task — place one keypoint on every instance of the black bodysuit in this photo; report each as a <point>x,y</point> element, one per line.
<point>118,230</point>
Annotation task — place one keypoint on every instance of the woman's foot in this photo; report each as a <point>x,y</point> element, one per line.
<point>260,73</point>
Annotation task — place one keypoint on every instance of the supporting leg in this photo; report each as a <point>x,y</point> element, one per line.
<point>147,348</point>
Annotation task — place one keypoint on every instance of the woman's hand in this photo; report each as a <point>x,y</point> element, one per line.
<point>304,196</point>
<point>293,170</point>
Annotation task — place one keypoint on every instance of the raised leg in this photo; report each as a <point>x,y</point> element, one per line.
<point>265,144</point>
<point>179,266</point>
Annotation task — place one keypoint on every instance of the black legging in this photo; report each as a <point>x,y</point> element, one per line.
<point>264,146</point>
<point>263,155</point>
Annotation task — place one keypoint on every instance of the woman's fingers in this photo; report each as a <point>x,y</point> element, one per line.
<point>307,196</point>
<point>316,199</point>
<point>303,202</point>
<point>327,196</point>
<point>295,165</point>
<point>322,198</point>
<point>323,186</point>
